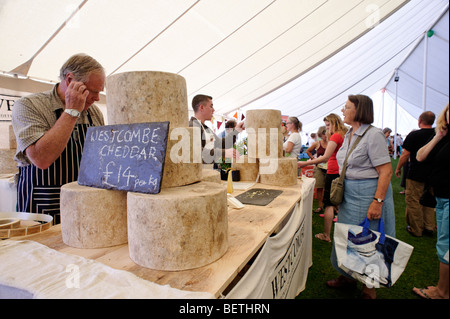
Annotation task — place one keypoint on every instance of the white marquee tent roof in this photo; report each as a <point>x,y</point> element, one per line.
<point>411,72</point>
<point>368,65</point>
<point>245,53</point>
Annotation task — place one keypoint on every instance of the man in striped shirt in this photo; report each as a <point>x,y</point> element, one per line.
<point>50,128</point>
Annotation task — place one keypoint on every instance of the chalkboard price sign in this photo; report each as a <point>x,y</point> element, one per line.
<point>127,157</point>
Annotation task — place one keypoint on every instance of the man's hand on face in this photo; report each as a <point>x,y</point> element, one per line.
<point>76,95</point>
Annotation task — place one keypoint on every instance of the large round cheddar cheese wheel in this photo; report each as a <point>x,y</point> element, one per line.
<point>147,96</point>
<point>278,171</point>
<point>180,228</point>
<point>93,217</point>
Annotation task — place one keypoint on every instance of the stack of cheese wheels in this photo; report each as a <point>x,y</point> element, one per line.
<point>138,97</point>
<point>185,226</point>
<point>265,142</point>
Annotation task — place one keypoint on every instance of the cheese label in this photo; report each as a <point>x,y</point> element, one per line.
<point>128,157</point>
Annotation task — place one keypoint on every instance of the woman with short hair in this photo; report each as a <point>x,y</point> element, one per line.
<point>367,185</point>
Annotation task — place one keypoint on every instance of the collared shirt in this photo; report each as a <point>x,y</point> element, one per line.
<point>34,115</point>
<point>372,151</point>
<point>209,136</point>
<point>213,147</point>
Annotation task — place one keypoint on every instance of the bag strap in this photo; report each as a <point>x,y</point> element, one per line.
<point>365,225</point>
<point>344,168</point>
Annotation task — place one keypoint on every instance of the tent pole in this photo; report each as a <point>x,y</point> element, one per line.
<point>382,107</point>
<point>425,70</point>
<point>396,79</point>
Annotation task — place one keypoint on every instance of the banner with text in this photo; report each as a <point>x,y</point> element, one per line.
<point>6,104</point>
<point>281,268</point>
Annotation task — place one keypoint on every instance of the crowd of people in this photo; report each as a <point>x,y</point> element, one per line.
<point>45,123</point>
<point>394,142</point>
<point>368,190</point>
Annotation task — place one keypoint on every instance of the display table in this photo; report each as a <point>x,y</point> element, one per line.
<point>249,229</point>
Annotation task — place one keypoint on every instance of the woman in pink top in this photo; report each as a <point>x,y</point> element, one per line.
<point>335,131</point>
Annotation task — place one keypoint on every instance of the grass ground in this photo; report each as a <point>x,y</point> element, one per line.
<point>421,271</point>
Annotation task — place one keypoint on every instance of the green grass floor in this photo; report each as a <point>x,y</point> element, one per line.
<point>421,271</point>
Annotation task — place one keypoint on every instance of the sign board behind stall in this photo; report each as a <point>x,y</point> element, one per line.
<point>128,157</point>
<point>6,104</point>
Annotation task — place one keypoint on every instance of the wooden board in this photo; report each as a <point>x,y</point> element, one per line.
<point>128,157</point>
<point>248,230</point>
<point>259,196</point>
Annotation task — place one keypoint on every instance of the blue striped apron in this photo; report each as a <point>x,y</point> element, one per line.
<point>38,190</point>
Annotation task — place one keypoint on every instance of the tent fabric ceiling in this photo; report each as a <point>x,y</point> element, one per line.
<point>367,65</point>
<point>234,50</point>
